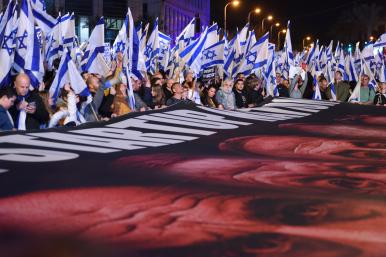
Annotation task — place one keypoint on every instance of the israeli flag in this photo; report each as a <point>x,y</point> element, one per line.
<point>329,71</point>
<point>281,64</point>
<point>213,55</point>
<point>45,21</point>
<point>164,49</point>
<point>341,65</point>
<point>337,51</point>
<point>368,55</point>
<point>357,58</point>
<point>317,95</point>
<point>7,50</point>
<point>329,51</point>
<point>121,39</point>
<point>251,41</point>
<point>143,37</point>
<point>312,54</point>
<point>228,55</point>
<point>208,38</point>
<point>288,46</point>
<point>350,68</point>
<point>28,57</point>
<point>173,64</point>
<point>133,59</point>
<point>256,58</point>
<point>270,74</point>
<point>68,73</point>
<point>238,55</point>
<point>381,42</point>
<point>187,35</point>
<point>244,36</point>
<point>95,47</point>
<point>152,49</point>
<point>7,16</point>
<point>61,36</point>
<point>67,29</point>
<point>368,72</point>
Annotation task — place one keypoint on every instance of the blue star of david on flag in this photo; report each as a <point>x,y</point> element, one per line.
<point>6,46</point>
<point>148,50</point>
<point>21,40</point>
<point>120,46</point>
<point>210,54</point>
<point>251,58</point>
<point>238,59</point>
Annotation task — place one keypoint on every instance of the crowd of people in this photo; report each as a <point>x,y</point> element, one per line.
<point>24,109</point>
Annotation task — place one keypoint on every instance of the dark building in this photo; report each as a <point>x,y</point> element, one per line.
<point>173,15</point>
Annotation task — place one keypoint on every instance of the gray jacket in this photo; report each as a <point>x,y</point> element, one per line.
<point>298,93</point>
<point>226,99</point>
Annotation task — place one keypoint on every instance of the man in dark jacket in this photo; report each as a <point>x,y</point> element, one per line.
<point>240,94</point>
<point>7,99</point>
<point>29,111</point>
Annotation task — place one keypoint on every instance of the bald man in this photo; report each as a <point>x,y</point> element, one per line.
<point>29,111</point>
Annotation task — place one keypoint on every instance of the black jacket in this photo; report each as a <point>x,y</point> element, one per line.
<point>379,99</point>
<point>241,99</point>
<point>33,121</point>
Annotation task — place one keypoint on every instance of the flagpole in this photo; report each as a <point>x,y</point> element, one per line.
<point>234,3</point>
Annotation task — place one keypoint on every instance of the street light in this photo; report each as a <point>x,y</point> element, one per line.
<point>308,39</point>
<point>277,24</point>
<point>235,3</point>
<point>371,38</point>
<point>278,37</point>
<point>256,11</point>
<point>270,17</point>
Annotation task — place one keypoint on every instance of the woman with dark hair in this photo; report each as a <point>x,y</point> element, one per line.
<point>159,99</point>
<point>209,98</point>
<point>255,91</point>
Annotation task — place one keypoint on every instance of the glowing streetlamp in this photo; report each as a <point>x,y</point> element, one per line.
<point>270,17</point>
<point>278,37</point>
<point>277,24</point>
<point>234,3</point>
<point>255,11</point>
<point>304,39</point>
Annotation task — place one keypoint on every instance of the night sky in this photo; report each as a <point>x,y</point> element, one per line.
<point>317,19</point>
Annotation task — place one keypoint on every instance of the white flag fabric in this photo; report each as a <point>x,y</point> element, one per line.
<point>381,42</point>
<point>45,21</point>
<point>96,46</point>
<point>288,46</point>
<point>7,50</point>
<point>350,69</point>
<point>152,49</point>
<point>213,55</point>
<point>68,73</point>
<point>121,39</point>
<point>317,94</point>
<point>28,57</point>
<point>256,57</point>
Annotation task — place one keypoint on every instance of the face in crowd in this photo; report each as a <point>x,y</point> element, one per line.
<point>365,81</point>
<point>338,76</point>
<point>22,84</point>
<point>239,85</point>
<point>211,92</point>
<point>278,78</point>
<point>323,84</point>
